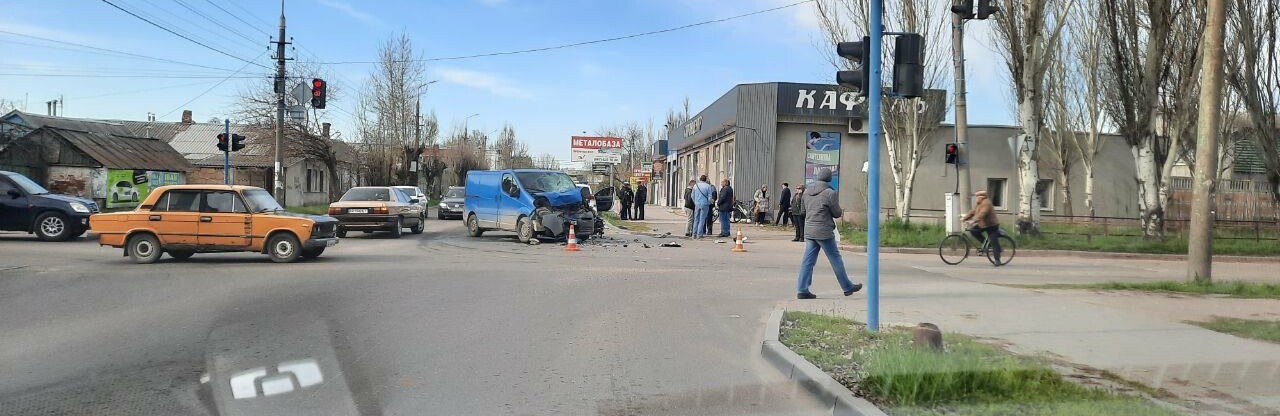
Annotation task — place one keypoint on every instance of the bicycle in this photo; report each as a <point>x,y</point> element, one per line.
<point>954,248</point>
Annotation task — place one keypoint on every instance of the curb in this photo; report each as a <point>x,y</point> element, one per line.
<point>1075,253</point>
<point>836,396</point>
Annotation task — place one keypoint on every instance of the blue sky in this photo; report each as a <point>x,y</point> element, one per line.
<point>547,96</point>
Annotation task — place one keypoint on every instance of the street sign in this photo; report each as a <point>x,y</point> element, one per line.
<point>595,156</point>
<point>613,158</point>
<point>296,112</point>
<point>301,93</point>
<point>600,168</point>
<point>587,142</point>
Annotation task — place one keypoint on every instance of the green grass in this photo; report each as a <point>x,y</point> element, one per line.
<point>1231,288</point>
<point>895,233</point>
<point>310,209</point>
<point>1248,328</point>
<point>969,377</point>
<point>613,219</point>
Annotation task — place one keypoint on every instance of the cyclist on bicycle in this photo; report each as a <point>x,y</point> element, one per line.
<point>985,223</point>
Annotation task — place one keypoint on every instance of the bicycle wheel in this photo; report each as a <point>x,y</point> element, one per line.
<point>953,249</point>
<point>1008,249</point>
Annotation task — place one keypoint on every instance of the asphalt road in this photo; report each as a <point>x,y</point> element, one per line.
<point>437,323</point>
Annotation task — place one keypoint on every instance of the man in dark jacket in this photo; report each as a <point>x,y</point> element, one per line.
<point>624,200</point>
<point>796,212</point>
<point>711,213</point>
<point>642,197</point>
<point>724,204</point>
<point>689,208</point>
<point>821,208</point>
<point>784,205</point>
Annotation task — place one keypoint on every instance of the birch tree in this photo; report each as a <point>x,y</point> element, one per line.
<point>1085,108</point>
<point>1060,140</point>
<point>1027,32</point>
<point>1253,74</point>
<point>1179,95</point>
<point>909,124</point>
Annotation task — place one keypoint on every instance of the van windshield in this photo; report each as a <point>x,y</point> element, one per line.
<point>545,181</point>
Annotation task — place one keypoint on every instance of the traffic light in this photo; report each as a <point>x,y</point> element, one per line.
<point>964,8</point>
<point>986,8</point>
<point>237,142</point>
<point>908,65</point>
<point>953,154</point>
<point>859,52</point>
<point>319,91</point>
<point>222,141</point>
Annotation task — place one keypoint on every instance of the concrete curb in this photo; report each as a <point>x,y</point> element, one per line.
<point>1074,253</point>
<point>840,400</point>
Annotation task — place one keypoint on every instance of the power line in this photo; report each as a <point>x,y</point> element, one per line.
<point>575,44</point>
<point>246,65</point>
<point>237,17</point>
<point>113,51</point>
<point>186,26</point>
<point>191,84</point>
<point>182,36</point>
<point>48,75</point>
<point>216,22</point>
<point>249,13</point>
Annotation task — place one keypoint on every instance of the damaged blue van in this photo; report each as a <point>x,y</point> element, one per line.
<point>532,203</point>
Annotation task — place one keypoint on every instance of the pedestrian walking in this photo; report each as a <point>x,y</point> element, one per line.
<point>784,205</point>
<point>797,213</point>
<point>711,212</point>
<point>703,195</point>
<point>642,197</point>
<point>821,207</point>
<point>762,204</point>
<point>624,199</point>
<point>688,208</point>
<point>724,204</point>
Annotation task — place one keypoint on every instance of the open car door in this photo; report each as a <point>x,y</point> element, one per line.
<point>604,199</point>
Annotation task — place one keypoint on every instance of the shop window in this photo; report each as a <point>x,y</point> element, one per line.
<point>995,191</point>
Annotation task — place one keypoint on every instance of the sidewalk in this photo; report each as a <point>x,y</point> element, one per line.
<point>666,219</point>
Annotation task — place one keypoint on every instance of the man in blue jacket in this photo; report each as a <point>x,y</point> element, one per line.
<point>724,204</point>
<point>703,195</point>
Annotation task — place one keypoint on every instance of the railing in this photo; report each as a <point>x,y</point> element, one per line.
<point>1224,229</point>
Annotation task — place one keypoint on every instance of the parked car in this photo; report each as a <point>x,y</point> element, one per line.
<point>416,193</point>
<point>27,206</point>
<point>533,203</point>
<point>378,208</point>
<point>451,203</point>
<point>183,220</point>
<point>123,191</point>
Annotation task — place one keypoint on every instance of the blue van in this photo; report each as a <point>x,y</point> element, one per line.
<point>533,203</point>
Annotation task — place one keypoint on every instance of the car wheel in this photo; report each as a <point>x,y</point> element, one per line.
<point>417,228</point>
<point>524,230</point>
<point>52,226</point>
<point>439,215</point>
<point>312,253</point>
<point>398,229</point>
<point>473,226</point>
<point>284,248</point>
<point>181,254</point>
<point>342,233</point>
<point>144,248</point>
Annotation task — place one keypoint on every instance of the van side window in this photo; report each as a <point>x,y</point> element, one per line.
<point>178,201</point>
<point>507,179</point>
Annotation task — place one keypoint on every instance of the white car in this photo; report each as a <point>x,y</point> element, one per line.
<point>124,191</point>
<point>415,193</point>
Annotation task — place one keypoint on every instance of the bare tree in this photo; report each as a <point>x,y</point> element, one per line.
<point>387,112</point>
<point>1085,110</point>
<point>547,161</point>
<point>909,124</point>
<point>1027,33</point>
<point>1179,94</point>
<point>1253,74</point>
<point>1060,139</point>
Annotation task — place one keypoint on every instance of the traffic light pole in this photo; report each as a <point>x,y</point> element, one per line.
<point>226,154</point>
<point>278,173</point>
<point>964,186</point>
<point>873,172</point>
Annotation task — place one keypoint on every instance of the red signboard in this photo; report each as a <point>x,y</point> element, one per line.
<point>587,142</point>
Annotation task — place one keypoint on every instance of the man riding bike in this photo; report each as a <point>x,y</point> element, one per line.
<point>985,223</point>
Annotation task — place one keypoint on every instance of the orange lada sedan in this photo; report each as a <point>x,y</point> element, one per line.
<point>182,220</point>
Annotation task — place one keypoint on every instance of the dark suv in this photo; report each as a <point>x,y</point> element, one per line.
<point>27,206</point>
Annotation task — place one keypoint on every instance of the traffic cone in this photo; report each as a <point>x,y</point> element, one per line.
<point>737,247</point>
<point>572,244</point>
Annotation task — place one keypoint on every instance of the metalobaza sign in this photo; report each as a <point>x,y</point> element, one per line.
<point>588,142</point>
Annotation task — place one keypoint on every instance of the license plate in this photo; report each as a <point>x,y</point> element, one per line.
<point>331,243</point>
<point>357,211</point>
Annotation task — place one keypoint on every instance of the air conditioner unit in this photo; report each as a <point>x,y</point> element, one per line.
<point>857,125</point>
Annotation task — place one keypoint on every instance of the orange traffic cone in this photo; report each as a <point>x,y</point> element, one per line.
<point>737,247</point>
<point>573,240</point>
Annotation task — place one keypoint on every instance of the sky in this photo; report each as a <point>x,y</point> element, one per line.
<point>546,96</point>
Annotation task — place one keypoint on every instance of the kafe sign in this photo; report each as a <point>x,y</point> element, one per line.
<point>820,100</point>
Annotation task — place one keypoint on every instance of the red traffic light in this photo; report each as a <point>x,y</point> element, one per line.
<point>319,91</point>
<point>953,154</point>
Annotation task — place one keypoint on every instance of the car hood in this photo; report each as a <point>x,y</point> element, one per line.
<point>562,198</point>
<point>66,198</point>
<point>317,218</point>
<point>452,200</point>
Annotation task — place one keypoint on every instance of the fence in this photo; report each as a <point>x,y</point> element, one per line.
<point>1223,229</point>
<point>1235,200</point>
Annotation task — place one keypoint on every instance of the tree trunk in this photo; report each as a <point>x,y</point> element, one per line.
<point>1088,190</point>
<point>1066,191</point>
<point>899,183</point>
<point>905,206</point>
<point>1149,211</point>
<point>1028,164</point>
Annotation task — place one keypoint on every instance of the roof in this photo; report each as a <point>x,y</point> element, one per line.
<point>199,141</point>
<point>36,121</point>
<point>238,160</point>
<point>163,130</point>
<point>212,187</point>
<point>122,152</point>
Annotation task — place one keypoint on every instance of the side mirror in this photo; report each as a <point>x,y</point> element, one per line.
<point>13,193</point>
<point>414,201</point>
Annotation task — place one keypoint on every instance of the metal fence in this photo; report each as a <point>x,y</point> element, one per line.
<point>1224,229</point>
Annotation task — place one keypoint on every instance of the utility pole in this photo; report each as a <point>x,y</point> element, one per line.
<point>417,140</point>
<point>278,173</point>
<point>1200,241</point>
<point>873,171</point>
<point>964,187</point>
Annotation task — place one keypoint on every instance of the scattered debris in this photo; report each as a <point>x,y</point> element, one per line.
<point>720,241</point>
<point>534,241</point>
<point>636,240</point>
<point>735,316</point>
<point>625,245</point>
<point>646,245</point>
<point>671,244</point>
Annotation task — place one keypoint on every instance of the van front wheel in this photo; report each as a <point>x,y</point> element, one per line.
<point>524,230</point>
<point>473,226</point>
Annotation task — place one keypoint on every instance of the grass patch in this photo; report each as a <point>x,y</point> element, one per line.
<point>970,377</point>
<point>1232,288</point>
<point>1078,237</point>
<point>613,219</point>
<point>1248,328</point>
<point>310,209</point>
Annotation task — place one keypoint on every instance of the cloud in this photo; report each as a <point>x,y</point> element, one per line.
<point>351,11</point>
<point>485,81</point>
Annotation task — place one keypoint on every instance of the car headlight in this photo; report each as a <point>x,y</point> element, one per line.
<point>444,205</point>
<point>78,207</point>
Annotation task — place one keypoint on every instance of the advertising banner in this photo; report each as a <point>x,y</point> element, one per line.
<point>587,142</point>
<point>822,150</point>
<point>127,187</point>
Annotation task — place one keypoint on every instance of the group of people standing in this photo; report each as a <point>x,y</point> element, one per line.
<point>631,203</point>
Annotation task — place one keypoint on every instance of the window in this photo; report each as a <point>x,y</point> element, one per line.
<point>315,180</point>
<point>223,201</point>
<point>728,157</point>
<point>367,194</point>
<point>188,201</point>
<point>995,191</point>
<point>1044,194</point>
<point>5,187</point>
